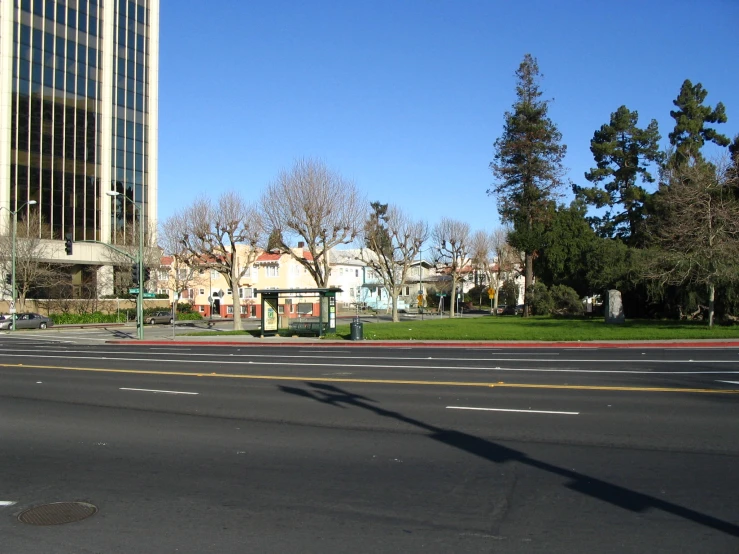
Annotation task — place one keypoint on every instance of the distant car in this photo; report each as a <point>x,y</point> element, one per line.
<point>500,309</point>
<point>513,310</point>
<point>27,320</point>
<point>158,317</point>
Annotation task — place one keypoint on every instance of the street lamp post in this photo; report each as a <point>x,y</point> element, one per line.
<point>13,290</point>
<point>140,296</point>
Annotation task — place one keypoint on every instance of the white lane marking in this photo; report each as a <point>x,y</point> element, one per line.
<point>159,391</point>
<point>325,351</point>
<point>7,503</point>
<point>212,357</point>
<point>508,410</point>
<point>730,382</point>
<point>391,366</point>
<point>169,349</point>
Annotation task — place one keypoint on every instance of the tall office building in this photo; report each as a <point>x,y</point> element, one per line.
<point>78,118</point>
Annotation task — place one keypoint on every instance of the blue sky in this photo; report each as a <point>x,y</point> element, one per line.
<point>406,97</point>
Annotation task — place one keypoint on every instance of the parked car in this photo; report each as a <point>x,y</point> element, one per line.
<point>27,320</point>
<point>158,317</point>
<point>513,310</point>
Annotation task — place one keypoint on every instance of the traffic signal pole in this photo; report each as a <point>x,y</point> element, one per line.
<point>140,296</point>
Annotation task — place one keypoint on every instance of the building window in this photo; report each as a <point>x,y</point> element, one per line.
<point>202,291</point>
<point>201,308</point>
<point>273,271</point>
<point>228,292</point>
<point>230,310</point>
<point>356,273</point>
<point>182,274</point>
<point>213,274</point>
<point>162,275</point>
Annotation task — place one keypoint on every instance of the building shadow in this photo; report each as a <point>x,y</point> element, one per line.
<point>622,497</point>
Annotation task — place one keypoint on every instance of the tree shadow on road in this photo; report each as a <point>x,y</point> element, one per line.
<point>613,494</point>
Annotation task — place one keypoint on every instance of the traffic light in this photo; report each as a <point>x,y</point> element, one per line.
<point>147,274</point>
<point>135,274</point>
<point>68,245</point>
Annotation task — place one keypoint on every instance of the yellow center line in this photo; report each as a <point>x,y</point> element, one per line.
<point>373,381</point>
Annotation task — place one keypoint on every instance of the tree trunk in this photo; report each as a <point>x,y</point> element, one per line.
<point>528,278</point>
<point>711,298</point>
<point>453,297</point>
<point>235,293</point>
<point>394,300</point>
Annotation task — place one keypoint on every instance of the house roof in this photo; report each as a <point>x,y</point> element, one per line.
<point>268,257</point>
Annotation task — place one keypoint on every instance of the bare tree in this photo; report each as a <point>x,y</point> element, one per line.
<point>695,230</point>
<point>316,205</point>
<point>182,274</point>
<point>213,235</point>
<point>486,249</point>
<point>121,255</point>
<point>451,244</point>
<point>32,270</point>
<point>392,240</point>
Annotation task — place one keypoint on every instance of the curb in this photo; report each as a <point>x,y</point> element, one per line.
<point>439,344</point>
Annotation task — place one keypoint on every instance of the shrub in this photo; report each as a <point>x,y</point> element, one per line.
<point>540,300</point>
<point>566,300</point>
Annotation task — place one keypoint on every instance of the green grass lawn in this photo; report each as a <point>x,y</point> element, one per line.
<point>539,329</point>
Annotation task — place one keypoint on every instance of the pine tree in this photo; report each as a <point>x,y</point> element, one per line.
<point>622,153</point>
<point>691,117</point>
<point>527,165</point>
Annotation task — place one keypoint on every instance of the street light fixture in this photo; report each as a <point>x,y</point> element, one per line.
<point>12,257</point>
<point>140,296</point>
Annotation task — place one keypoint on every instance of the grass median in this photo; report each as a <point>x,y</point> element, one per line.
<point>512,328</point>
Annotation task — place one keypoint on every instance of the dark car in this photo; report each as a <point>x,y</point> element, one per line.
<point>27,320</point>
<point>513,310</point>
<point>158,317</point>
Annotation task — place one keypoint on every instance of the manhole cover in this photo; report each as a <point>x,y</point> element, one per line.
<point>57,513</point>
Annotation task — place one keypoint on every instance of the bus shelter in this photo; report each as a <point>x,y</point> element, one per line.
<point>315,313</point>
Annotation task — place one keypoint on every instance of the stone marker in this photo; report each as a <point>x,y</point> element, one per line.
<point>614,308</point>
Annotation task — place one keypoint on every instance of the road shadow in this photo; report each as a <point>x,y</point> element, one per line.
<point>622,497</point>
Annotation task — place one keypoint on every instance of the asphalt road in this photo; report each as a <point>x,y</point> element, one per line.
<point>366,449</point>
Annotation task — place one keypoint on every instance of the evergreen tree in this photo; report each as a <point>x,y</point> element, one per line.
<point>691,117</point>
<point>527,164</point>
<point>623,153</point>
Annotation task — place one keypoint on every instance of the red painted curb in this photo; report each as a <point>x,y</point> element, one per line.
<point>666,344</point>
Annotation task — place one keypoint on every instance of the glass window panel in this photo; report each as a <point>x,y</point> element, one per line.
<point>25,35</point>
<point>60,13</point>
<point>72,17</point>
<point>38,38</point>
<point>50,9</point>
<point>83,23</point>
<point>36,72</point>
<point>38,7</point>
<point>24,87</point>
<point>93,27</point>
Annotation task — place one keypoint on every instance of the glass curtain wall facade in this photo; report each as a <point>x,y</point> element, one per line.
<point>80,80</point>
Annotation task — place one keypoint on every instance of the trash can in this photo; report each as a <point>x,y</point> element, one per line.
<point>357,329</point>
